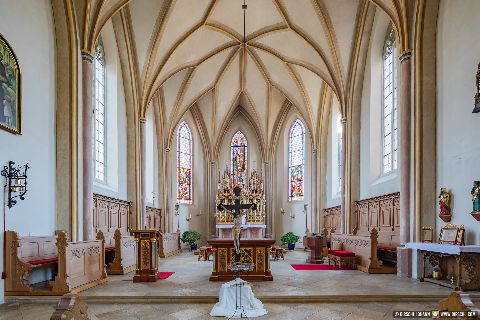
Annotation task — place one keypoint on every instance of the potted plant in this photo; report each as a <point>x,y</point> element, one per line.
<point>290,238</point>
<point>191,237</point>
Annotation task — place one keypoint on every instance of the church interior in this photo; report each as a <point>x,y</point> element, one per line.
<point>162,158</point>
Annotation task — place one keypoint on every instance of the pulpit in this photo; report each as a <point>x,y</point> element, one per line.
<point>147,255</point>
<point>314,243</point>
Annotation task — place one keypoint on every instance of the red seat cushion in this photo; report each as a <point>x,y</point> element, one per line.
<point>341,253</point>
<point>386,248</point>
<point>273,248</point>
<point>109,248</point>
<point>43,261</point>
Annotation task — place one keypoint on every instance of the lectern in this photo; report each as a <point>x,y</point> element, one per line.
<point>147,255</point>
<point>314,243</point>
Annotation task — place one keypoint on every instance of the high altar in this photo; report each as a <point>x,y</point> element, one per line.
<point>253,224</point>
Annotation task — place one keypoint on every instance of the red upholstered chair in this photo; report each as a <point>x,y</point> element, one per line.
<point>342,257</point>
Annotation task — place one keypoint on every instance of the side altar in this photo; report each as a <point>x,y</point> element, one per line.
<point>253,221</point>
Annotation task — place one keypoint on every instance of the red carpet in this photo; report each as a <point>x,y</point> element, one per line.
<point>316,267</point>
<point>164,275</point>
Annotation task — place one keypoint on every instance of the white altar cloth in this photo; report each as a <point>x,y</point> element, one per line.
<point>442,248</point>
<point>226,306</point>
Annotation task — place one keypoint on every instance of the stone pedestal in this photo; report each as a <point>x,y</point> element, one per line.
<point>404,263</point>
<point>315,245</point>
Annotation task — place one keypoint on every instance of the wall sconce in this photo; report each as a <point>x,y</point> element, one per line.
<point>177,206</point>
<point>305,208</point>
<point>282,211</point>
<point>292,215</point>
<point>189,217</point>
<point>154,196</point>
<point>16,182</point>
<point>200,213</point>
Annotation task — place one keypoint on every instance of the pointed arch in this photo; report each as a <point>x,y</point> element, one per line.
<point>296,160</point>
<point>184,163</point>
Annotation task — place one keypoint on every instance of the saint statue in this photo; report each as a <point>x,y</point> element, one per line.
<point>444,202</point>
<point>476,196</point>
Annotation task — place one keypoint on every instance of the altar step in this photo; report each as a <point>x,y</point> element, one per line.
<point>264,298</point>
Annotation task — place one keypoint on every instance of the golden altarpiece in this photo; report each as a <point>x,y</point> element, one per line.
<point>253,224</point>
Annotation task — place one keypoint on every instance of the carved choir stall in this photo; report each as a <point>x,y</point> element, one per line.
<point>111,218</point>
<point>376,235</point>
<point>51,265</point>
<point>253,224</point>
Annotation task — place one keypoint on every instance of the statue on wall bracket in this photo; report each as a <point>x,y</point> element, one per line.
<point>477,95</point>
<point>476,200</point>
<point>444,200</point>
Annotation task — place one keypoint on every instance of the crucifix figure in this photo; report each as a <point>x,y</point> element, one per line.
<point>236,209</point>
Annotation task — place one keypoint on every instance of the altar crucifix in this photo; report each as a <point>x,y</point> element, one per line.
<point>236,210</point>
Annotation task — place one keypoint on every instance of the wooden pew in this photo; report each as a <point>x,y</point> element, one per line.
<point>365,248</point>
<point>74,266</point>
<point>111,223</point>
<point>119,252</point>
<point>169,245</point>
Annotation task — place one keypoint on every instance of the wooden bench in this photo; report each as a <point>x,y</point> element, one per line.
<point>365,249</point>
<point>119,252</point>
<point>51,265</point>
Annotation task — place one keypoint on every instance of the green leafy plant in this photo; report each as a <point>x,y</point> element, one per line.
<point>190,237</point>
<point>289,237</point>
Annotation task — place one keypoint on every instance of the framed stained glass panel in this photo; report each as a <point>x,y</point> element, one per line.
<point>296,160</point>
<point>239,158</point>
<point>184,163</point>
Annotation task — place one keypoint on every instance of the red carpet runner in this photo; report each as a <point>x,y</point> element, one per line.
<point>316,267</point>
<point>164,275</point>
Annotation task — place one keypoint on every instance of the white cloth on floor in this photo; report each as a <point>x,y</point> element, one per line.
<point>226,306</point>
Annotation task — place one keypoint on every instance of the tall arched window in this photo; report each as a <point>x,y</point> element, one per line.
<point>296,160</point>
<point>184,163</point>
<point>99,105</point>
<point>339,154</point>
<point>390,104</point>
<point>239,158</point>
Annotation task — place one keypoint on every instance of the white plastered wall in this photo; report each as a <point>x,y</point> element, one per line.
<point>116,137</point>
<point>34,46</point>
<point>372,182</point>
<point>284,223</point>
<point>458,143</point>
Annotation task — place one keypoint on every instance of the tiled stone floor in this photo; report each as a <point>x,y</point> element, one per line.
<point>344,311</point>
<point>191,279</point>
<point>342,289</point>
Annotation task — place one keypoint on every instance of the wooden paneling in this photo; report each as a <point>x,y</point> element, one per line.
<point>331,219</point>
<point>154,218</point>
<point>110,214</point>
<point>381,213</point>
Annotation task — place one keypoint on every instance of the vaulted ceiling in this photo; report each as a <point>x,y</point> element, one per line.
<point>191,53</point>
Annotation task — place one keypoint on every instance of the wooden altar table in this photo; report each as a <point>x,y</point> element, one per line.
<point>460,262</point>
<point>255,251</point>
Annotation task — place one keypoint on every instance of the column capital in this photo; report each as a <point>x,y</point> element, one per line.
<point>343,120</point>
<point>87,56</point>
<point>167,149</point>
<point>143,120</point>
<point>266,163</point>
<point>406,55</point>
<point>314,151</point>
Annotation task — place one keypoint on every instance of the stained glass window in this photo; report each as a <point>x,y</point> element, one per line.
<point>390,104</point>
<point>99,105</point>
<point>296,160</point>
<point>239,158</point>
<point>184,163</point>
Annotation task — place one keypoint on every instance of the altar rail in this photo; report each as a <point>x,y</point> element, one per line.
<point>154,218</point>
<point>75,266</point>
<point>381,213</point>
<point>169,245</point>
<point>110,214</point>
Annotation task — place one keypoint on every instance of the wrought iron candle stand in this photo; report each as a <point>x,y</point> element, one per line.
<point>239,267</point>
<point>16,182</point>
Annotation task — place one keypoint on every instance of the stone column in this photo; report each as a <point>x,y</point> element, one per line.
<point>212,187</point>
<point>87,144</point>
<point>404,256</point>
<point>314,223</point>
<point>168,187</point>
<point>343,188</point>
<point>268,202</point>
<point>143,165</point>
<point>405,145</point>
